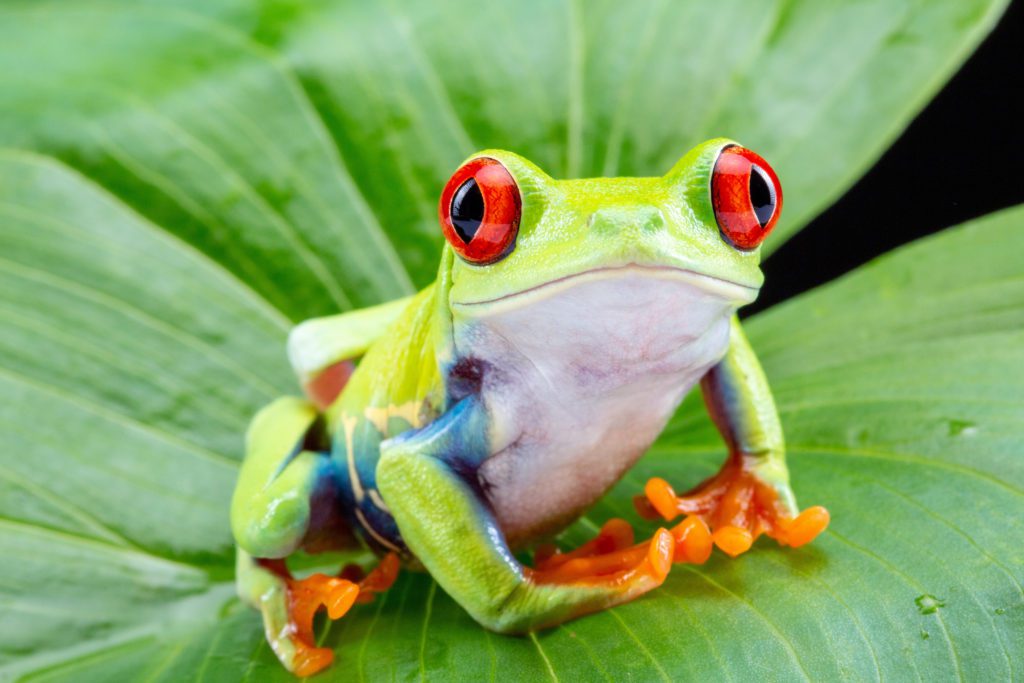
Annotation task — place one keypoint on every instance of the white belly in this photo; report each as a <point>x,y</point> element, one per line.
<point>580,382</point>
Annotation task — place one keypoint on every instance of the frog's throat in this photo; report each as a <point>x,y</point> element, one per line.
<point>726,290</point>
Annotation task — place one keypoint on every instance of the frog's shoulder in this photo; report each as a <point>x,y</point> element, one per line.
<point>398,385</point>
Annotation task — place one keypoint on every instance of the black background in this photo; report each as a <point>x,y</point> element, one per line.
<point>963,157</point>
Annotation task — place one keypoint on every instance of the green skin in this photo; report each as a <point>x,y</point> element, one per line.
<point>407,429</point>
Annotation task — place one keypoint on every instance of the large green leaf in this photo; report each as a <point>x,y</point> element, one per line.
<point>197,181</point>
<point>130,362</point>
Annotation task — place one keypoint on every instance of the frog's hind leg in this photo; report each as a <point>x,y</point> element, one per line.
<point>287,499</point>
<point>428,479</point>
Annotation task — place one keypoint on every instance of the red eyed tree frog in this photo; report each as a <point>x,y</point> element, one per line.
<point>568,320</point>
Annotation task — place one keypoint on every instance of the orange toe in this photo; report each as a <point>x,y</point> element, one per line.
<point>662,497</point>
<point>660,554</point>
<point>693,541</point>
<point>309,660</point>
<point>383,576</point>
<point>806,526</point>
<point>733,540</point>
<point>341,600</point>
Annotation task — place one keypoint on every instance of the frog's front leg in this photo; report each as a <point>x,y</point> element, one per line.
<point>322,351</point>
<point>750,495</point>
<point>287,499</point>
<point>428,478</point>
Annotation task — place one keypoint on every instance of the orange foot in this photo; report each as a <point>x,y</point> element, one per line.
<point>738,507</point>
<point>613,559</point>
<point>336,594</point>
<point>305,597</point>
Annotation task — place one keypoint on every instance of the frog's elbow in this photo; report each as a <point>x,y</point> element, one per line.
<point>275,531</point>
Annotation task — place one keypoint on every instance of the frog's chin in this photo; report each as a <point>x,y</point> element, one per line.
<point>725,290</point>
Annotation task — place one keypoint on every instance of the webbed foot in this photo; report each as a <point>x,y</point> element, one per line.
<point>305,598</point>
<point>738,505</point>
<point>336,594</point>
<point>612,558</point>
<point>635,568</point>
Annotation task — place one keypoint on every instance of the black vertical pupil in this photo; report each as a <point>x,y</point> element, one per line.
<point>762,195</point>
<point>467,210</point>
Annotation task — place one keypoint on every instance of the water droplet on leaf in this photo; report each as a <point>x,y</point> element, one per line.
<point>962,428</point>
<point>928,604</point>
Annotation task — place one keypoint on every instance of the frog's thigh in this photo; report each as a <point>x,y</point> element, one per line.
<point>281,483</point>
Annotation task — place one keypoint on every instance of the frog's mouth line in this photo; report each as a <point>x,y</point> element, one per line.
<point>726,289</point>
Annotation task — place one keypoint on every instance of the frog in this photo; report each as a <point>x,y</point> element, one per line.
<point>459,430</point>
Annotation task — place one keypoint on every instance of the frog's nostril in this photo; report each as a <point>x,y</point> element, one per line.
<point>604,222</point>
<point>625,219</point>
<point>652,220</point>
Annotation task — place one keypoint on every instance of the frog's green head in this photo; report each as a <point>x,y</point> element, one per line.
<point>512,230</point>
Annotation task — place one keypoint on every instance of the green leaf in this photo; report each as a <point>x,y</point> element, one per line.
<point>900,388</point>
<point>189,183</point>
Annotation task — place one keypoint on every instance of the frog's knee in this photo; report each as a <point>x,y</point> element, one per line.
<point>270,508</point>
<point>270,526</point>
<point>286,418</point>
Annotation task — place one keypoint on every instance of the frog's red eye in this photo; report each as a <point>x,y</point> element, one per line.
<point>480,210</point>
<point>746,195</point>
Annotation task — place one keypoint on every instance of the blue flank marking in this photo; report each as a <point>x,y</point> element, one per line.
<point>366,442</point>
<point>458,438</point>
